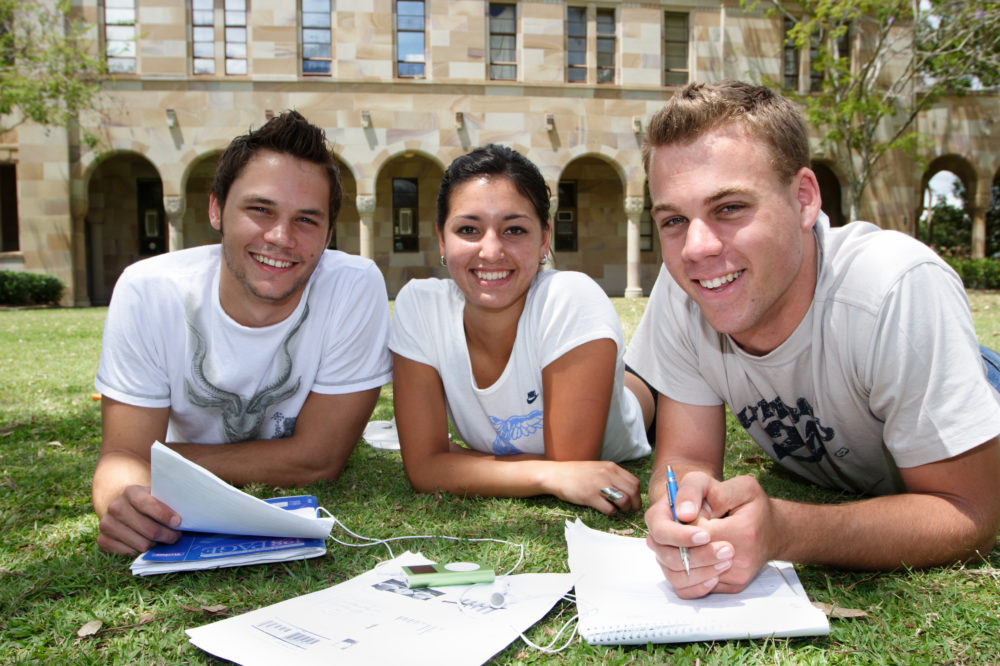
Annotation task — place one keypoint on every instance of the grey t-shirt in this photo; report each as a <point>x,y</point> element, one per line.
<point>883,372</point>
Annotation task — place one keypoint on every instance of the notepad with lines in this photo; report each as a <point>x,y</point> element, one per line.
<point>623,598</point>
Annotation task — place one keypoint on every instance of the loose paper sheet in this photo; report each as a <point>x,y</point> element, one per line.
<point>375,619</point>
<point>206,503</point>
<point>624,599</point>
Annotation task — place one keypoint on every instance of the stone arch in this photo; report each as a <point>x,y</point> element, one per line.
<point>830,192</point>
<point>590,223</point>
<point>992,219</point>
<point>346,228</point>
<point>956,164</point>
<point>125,219</point>
<point>377,163</point>
<point>962,169</point>
<point>404,239</point>
<point>616,159</point>
<point>197,183</point>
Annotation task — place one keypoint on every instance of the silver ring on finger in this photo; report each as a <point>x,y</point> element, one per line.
<point>612,494</point>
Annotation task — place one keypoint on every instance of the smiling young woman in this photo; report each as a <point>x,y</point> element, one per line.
<point>527,363</point>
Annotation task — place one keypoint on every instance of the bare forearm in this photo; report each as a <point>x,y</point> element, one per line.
<point>912,530</point>
<point>471,473</point>
<point>275,462</point>
<point>116,471</point>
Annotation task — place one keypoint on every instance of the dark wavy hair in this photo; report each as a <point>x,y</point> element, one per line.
<point>495,161</point>
<point>288,133</point>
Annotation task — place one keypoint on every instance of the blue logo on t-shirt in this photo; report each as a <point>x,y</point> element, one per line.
<point>532,396</point>
<point>516,427</point>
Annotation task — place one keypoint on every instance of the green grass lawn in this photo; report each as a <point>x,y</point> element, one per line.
<point>53,580</point>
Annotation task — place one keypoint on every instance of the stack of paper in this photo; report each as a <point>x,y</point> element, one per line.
<point>217,520</point>
<point>203,550</point>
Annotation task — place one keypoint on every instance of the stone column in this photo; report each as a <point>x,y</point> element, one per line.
<point>550,262</point>
<point>78,211</point>
<point>95,224</point>
<point>633,279</point>
<point>366,230</point>
<point>174,207</point>
<point>978,232</point>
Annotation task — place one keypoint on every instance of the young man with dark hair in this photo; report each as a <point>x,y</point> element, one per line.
<point>848,354</point>
<point>260,359</point>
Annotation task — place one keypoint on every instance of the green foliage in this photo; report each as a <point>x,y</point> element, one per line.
<point>993,222</point>
<point>53,579</point>
<point>977,273</point>
<point>947,228</point>
<point>17,288</point>
<point>899,64</point>
<point>48,71</point>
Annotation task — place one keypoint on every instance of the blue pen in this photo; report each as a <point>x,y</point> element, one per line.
<point>672,495</point>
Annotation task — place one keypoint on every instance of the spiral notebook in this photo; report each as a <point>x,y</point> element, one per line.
<point>623,598</point>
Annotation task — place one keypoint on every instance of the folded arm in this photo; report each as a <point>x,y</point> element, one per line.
<point>950,512</point>
<point>577,392</point>
<point>326,431</point>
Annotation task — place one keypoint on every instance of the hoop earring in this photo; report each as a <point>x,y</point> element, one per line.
<point>444,262</point>
<point>545,258</point>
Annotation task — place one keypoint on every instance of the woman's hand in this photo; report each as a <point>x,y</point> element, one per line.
<point>581,482</point>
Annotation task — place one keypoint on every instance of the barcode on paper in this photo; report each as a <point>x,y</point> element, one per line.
<point>288,633</point>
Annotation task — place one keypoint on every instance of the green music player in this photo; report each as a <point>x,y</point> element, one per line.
<point>453,573</point>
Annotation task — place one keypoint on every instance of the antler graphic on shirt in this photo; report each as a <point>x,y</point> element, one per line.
<point>241,418</point>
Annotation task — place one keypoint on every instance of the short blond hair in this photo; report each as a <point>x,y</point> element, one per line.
<point>699,108</point>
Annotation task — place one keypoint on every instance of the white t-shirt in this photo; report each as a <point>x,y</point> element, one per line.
<point>884,371</point>
<point>563,310</point>
<point>168,343</point>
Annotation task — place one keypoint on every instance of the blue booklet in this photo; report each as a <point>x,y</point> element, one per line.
<point>203,550</point>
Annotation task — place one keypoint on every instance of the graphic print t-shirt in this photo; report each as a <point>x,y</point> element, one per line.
<point>563,310</point>
<point>168,343</point>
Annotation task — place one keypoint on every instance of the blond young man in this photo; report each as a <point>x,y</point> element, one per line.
<point>848,355</point>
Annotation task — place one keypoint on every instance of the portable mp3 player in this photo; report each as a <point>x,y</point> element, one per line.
<point>453,573</point>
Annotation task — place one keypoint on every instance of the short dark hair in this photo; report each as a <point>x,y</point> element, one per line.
<point>765,115</point>
<point>495,161</point>
<point>288,133</point>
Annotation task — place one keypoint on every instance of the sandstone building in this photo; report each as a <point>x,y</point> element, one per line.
<point>402,87</point>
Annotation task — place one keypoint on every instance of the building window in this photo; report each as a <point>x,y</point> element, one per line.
<point>405,223</point>
<point>236,36</point>
<point>503,42</point>
<point>316,37</point>
<point>790,59</point>
<point>565,231</point>
<point>576,44</point>
<point>152,231</point>
<point>843,45</point>
<point>119,36</point>
<point>410,39</point>
<point>9,232</point>
<point>675,49</point>
<point>203,36</point>
<point>606,45</point>
<point>646,225</point>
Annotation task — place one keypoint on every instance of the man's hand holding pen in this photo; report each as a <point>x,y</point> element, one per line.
<point>725,552</point>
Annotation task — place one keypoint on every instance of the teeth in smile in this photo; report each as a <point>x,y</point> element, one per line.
<point>492,275</point>
<point>715,283</point>
<point>277,263</point>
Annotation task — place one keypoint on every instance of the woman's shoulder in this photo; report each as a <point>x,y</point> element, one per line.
<point>569,296</point>
<point>571,282</point>
<point>569,288</point>
<point>425,289</point>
